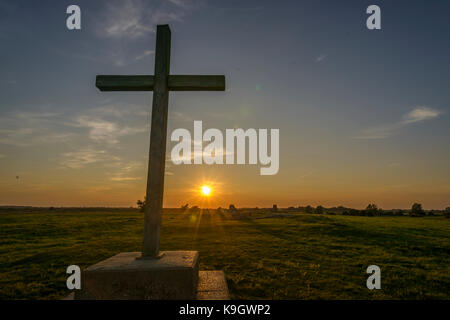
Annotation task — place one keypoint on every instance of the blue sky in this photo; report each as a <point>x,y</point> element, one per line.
<point>363,115</point>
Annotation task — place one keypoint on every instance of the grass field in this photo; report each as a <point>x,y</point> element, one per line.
<point>304,256</point>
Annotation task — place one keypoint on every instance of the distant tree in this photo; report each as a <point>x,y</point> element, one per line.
<point>447,212</point>
<point>416,210</point>
<point>309,209</point>
<point>372,209</point>
<point>274,207</point>
<point>319,210</point>
<point>232,207</point>
<point>141,204</point>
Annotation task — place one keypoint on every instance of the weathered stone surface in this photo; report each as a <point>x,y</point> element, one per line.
<point>123,277</point>
<point>212,286</point>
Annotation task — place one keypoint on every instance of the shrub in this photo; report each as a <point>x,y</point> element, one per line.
<point>141,204</point>
<point>319,210</point>
<point>416,210</point>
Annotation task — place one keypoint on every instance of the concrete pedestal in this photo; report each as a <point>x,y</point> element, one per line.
<point>174,276</point>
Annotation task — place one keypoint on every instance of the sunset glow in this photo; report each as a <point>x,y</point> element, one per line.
<point>75,146</point>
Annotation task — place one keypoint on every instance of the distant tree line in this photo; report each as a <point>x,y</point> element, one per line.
<point>370,211</point>
<point>373,210</point>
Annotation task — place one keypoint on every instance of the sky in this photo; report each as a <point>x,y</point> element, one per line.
<point>363,115</point>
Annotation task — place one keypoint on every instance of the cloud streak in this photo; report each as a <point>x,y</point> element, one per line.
<point>105,131</point>
<point>104,124</point>
<point>124,23</point>
<point>321,58</point>
<point>133,19</point>
<point>83,157</point>
<point>420,114</point>
<point>144,55</point>
<point>416,115</point>
<point>23,129</point>
<point>127,172</point>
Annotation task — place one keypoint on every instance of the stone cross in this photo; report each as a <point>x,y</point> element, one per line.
<point>160,83</point>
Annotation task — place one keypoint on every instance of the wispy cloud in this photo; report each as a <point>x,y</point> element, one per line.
<point>119,170</point>
<point>124,179</point>
<point>133,19</point>
<point>108,123</point>
<point>106,131</point>
<point>24,129</point>
<point>180,116</point>
<point>125,19</point>
<point>181,3</point>
<point>105,124</point>
<point>126,172</point>
<point>321,58</point>
<point>20,137</point>
<point>80,158</point>
<point>123,23</point>
<point>119,110</point>
<point>418,114</point>
<point>144,54</point>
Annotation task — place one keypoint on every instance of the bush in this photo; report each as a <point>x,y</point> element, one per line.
<point>416,210</point>
<point>319,210</point>
<point>141,204</point>
<point>372,210</point>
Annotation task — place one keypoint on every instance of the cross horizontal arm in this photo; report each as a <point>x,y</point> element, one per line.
<point>196,83</point>
<point>176,83</point>
<point>125,83</point>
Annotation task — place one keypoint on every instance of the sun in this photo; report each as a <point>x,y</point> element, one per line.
<point>206,191</point>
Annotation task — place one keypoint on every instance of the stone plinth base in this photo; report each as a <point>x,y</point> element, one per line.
<point>211,286</point>
<point>123,277</point>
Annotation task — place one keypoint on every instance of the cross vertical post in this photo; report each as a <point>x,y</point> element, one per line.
<point>157,152</point>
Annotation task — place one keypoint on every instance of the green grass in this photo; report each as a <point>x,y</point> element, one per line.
<point>299,257</point>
